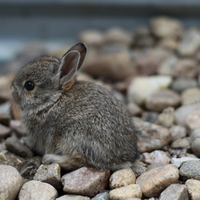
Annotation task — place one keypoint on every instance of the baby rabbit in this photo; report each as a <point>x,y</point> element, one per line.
<point>70,122</point>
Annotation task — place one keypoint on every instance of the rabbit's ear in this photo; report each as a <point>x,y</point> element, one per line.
<point>72,62</point>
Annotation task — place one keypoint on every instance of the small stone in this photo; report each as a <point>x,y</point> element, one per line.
<point>142,87</point>
<point>190,96</point>
<point>5,113</point>
<point>122,178</point>
<point>169,43</point>
<point>118,35</point>
<point>85,181</point>
<point>134,109</point>
<point>156,180</point>
<point>177,132</point>
<point>152,136</point>
<point>14,145</point>
<point>193,121</point>
<point>190,170</point>
<point>5,92</point>
<point>166,118</point>
<point>73,197</point>
<point>34,190</point>
<point>4,131</point>
<point>49,174</point>
<point>195,146</point>
<point>182,112</point>
<point>92,38</point>
<point>179,161</point>
<point>10,182</point>
<point>129,191</point>
<point>156,156</point>
<point>160,100</point>
<point>175,192</point>
<point>150,117</point>
<point>181,143</point>
<point>193,187</point>
<point>189,43</point>
<point>101,196</point>
<point>165,27</point>
<point>181,84</point>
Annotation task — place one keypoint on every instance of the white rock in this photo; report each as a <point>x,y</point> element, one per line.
<point>179,161</point>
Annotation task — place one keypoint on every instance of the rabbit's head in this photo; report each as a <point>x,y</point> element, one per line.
<point>40,83</point>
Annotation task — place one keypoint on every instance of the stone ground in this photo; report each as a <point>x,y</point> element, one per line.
<point>154,71</point>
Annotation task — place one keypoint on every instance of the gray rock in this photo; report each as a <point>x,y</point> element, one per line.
<point>101,196</point>
<point>177,132</point>
<point>195,142</point>
<point>190,43</point>
<point>175,192</point>
<point>160,100</point>
<point>4,131</point>
<point>5,109</point>
<point>73,197</point>
<point>190,170</point>
<point>190,96</point>
<point>10,183</point>
<point>179,161</point>
<point>150,117</point>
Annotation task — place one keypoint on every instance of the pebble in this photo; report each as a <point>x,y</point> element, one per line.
<point>193,187</point>
<point>4,131</point>
<point>181,84</point>
<point>195,142</point>
<point>160,100</point>
<point>152,136</point>
<point>166,118</point>
<point>190,170</point>
<point>142,87</point>
<point>182,112</point>
<point>190,96</point>
<point>181,143</point>
<point>179,161</point>
<point>156,156</point>
<point>85,181</point>
<point>101,196</point>
<point>92,38</point>
<point>153,182</point>
<point>175,192</point>
<point>177,132</point>
<point>10,182</point>
<point>129,191</point>
<point>166,27</point>
<point>34,190</point>
<point>73,197</point>
<point>5,109</point>
<point>150,116</point>
<point>122,178</point>
<point>5,92</point>
<point>134,109</point>
<point>189,43</point>
<point>49,174</point>
<point>14,145</point>
<point>169,43</point>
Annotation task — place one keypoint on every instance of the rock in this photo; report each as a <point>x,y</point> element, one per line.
<point>116,66</point>
<point>10,183</point>
<point>122,178</point>
<point>18,127</point>
<point>34,190</point>
<point>195,142</point>
<point>155,165</point>
<point>134,109</point>
<point>73,197</point>
<point>152,136</point>
<point>101,196</point>
<point>168,65</point>
<point>190,170</point>
<point>190,96</point>
<point>14,145</point>
<point>160,100</point>
<point>156,180</point>
<point>5,113</point>
<point>193,121</point>
<point>49,174</point>
<point>189,43</point>
<point>179,161</point>
<point>166,118</point>
<point>177,132</point>
<point>186,68</point>
<point>169,44</point>
<point>165,27</point>
<point>85,181</point>
<point>193,187</point>
<point>142,87</point>
<point>182,112</point>
<point>4,131</point>
<point>175,192</point>
<point>5,92</point>
<point>118,35</point>
<point>181,84</point>
<point>150,117</point>
<point>181,143</point>
<point>156,156</point>
<point>129,191</point>
<point>92,38</point>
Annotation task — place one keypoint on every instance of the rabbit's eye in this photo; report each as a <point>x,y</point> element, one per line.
<point>29,85</point>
